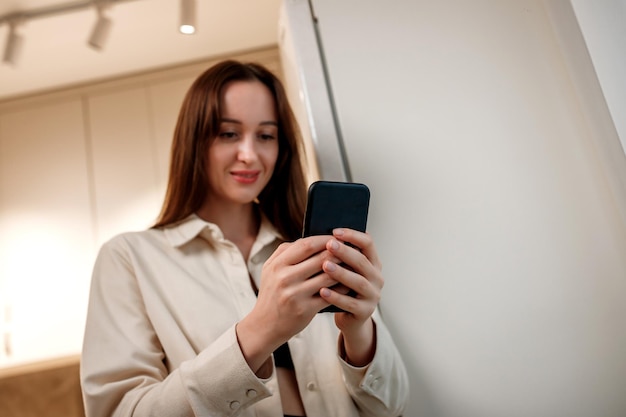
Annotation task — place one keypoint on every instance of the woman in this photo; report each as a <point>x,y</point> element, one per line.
<point>214,310</point>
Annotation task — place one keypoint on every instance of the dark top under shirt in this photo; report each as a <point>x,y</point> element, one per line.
<point>282,357</point>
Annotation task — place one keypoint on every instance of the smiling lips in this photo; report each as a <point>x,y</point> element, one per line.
<point>245,176</point>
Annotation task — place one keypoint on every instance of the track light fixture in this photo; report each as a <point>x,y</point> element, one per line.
<point>14,44</point>
<point>101,29</point>
<point>187,16</point>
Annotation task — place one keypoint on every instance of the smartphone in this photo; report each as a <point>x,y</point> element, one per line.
<point>333,204</point>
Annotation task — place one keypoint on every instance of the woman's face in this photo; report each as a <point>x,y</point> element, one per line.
<point>241,158</point>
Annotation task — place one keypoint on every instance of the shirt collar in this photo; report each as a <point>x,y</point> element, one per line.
<point>193,226</point>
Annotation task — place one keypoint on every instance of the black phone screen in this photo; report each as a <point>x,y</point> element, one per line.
<point>333,204</point>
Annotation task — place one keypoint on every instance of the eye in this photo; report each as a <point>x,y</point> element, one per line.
<point>229,134</point>
<point>267,136</point>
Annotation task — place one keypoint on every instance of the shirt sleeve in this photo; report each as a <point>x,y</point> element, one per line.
<point>123,370</point>
<point>380,388</point>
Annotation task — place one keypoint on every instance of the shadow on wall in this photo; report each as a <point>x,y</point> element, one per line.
<point>46,389</point>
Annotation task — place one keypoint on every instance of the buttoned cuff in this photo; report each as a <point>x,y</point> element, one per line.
<point>373,377</point>
<point>219,381</point>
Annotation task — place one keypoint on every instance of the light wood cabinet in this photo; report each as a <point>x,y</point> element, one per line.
<point>46,388</point>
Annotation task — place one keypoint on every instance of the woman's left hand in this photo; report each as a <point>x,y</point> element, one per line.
<point>361,271</point>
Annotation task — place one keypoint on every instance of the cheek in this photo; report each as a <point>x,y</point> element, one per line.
<point>220,156</point>
<point>270,156</point>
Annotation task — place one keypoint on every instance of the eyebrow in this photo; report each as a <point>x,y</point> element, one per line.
<point>227,120</point>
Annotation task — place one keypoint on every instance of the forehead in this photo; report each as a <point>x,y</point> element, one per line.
<point>247,99</point>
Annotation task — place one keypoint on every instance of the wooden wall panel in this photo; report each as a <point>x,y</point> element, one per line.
<point>165,100</point>
<point>124,162</point>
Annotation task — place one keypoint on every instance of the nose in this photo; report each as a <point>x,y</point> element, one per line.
<point>246,151</point>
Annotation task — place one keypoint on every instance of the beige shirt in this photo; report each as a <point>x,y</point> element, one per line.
<point>160,337</point>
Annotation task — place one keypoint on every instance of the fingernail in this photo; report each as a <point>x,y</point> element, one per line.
<point>338,232</point>
<point>330,266</point>
<point>334,244</point>
<point>325,292</point>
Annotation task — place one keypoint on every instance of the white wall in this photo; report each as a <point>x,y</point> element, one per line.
<point>495,214</point>
<point>591,36</point>
<point>602,25</point>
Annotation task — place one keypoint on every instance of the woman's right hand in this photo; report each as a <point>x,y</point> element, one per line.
<point>288,297</point>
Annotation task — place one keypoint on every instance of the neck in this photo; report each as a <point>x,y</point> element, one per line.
<point>239,223</point>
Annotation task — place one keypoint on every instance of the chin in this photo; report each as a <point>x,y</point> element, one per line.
<point>245,199</point>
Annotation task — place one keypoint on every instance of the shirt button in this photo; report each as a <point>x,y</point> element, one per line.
<point>251,393</point>
<point>234,405</point>
<point>311,386</point>
<point>375,383</point>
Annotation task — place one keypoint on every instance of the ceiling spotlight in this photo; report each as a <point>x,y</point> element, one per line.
<point>101,29</point>
<point>13,47</point>
<point>187,16</point>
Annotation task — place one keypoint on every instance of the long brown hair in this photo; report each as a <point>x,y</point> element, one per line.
<point>283,198</point>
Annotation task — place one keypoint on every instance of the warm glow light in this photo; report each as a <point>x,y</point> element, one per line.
<point>46,261</point>
<point>45,284</point>
<point>187,29</point>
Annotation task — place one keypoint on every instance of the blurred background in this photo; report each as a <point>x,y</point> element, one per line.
<point>89,94</point>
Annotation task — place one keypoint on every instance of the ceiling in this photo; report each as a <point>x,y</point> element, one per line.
<point>144,35</point>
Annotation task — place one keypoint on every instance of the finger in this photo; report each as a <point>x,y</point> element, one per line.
<point>347,303</point>
<point>356,261</point>
<point>284,276</point>
<point>340,288</point>
<point>361,240</point>
<point>352,280</point>
<point>304,248</point>
<point>305,296</point>
<point>313,285</point>
<point>313,266</point>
